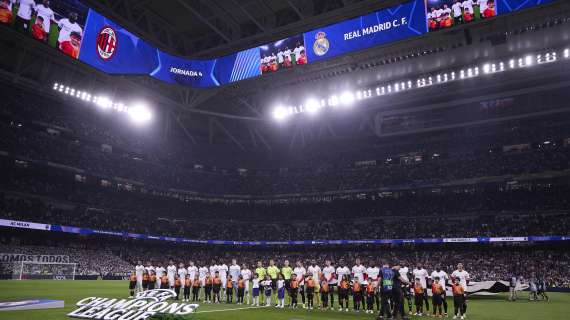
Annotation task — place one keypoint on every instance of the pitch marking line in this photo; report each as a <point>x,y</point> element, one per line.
<point>232,309</point>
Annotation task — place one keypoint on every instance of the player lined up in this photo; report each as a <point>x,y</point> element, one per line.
<point>461,11</point>
<point>371,288</point>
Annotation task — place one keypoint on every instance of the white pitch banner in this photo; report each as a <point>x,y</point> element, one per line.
<point>24,224</point>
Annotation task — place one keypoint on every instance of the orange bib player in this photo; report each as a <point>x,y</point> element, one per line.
<point>164,282</point>
<point>177,286</point>
<point>294,290</point>
<point>437,298</point>
<point>152,280</point>
<point>132,284</point>
<point>419,297</point>
<point>324,293</point>
<point>229,290</point>
<point>458,298</point>
<point>195,288</point>
<point>370,295</point>
<point>187,285</point>
<point>209,283</point>
<point>310,291</point>
<point>356,294</point>
<point>240,289</point>
<point>343,289</point>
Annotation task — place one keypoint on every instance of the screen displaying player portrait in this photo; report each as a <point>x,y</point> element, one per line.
<point>283,54</point>
<point>57,23</point>
<point>444,14</point>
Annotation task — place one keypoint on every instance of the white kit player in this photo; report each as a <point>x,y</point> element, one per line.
<point>468,6</point>
<point>171,273</point>
<point>182,272</point>
<point>160,271</point>
<point>223,270</point>
<point>457,10</point>
<point>43,10</point>
<point>373,276</point>
<point>300,273</point>
<point>139,271</point>
<point>235,272</point>
<point>192,270</point>
<point>329,272</point>
<point>67,26</point>
<point>422,274</point>
<point>358,271</point>
<point>202,274</point>
<point>24,15</point>
<point>247,275</point>
<point>341,272</point>
<point>463,277</point>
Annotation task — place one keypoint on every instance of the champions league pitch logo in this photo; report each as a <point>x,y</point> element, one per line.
<point>145,305</point>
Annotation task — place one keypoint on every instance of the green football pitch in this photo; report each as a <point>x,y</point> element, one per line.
<point>490,307</point>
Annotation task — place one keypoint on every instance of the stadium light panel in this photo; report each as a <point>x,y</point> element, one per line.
<point>486,68</point>
<point>312,106</point>
<point>140,114</point>
<point>566,53</point>
<point>280,113</point>
<point>333,101</point>
<point>103,102</point>
<point>347,98</point>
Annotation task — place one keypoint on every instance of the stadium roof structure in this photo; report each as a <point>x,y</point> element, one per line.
<point>240,113</point>
<point>211,28</point>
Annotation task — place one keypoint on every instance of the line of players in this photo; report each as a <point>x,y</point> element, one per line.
<point>384,288</point>
<point>285,58</point>
<point>460,12</point>
<point>70,32</point>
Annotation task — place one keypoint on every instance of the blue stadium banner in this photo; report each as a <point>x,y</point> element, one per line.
<point>506,6</point>
<point>388,25</point>
<point>112,49</point>
<point>87,231</point>
<point>208,73</point>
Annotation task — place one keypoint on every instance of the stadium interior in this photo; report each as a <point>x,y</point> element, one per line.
<point>458,134</point>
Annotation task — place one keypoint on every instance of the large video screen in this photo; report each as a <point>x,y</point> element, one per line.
<point>57,23</point>
<point>84,34</point>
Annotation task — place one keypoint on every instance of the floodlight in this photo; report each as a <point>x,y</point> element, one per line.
<point>280,113</point>
<point>312,106</point>
<point>347,98</point>
<point>140,114</point>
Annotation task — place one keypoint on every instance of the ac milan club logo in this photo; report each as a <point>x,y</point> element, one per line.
<point>106,43</point>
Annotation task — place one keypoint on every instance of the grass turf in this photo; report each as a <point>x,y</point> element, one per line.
<point>493,307</point>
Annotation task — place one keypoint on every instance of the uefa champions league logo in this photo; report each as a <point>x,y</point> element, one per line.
<point>145,305</point>
<point>322,44</point>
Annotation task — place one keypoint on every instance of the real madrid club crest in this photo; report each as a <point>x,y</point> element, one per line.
<point>321,45</point>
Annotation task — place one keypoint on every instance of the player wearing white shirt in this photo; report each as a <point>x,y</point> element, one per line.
<point>46,13</point>
<point>235,271</point>
<point>280,58</point>
<point>159,273</point>
<point>24,14</point>
<point>297,51</point>
<point>139,271</point>
<point>330,276</point>
<point>482,7</point>
<point>314,270</point>
<point>223,270</point>
<point>171,273</point>
<point>468,6</point>
<point>457,9</point>
<point>409,290</point>
<point>246,275</point>
<point>463,277</point>
<point>358,271</point>
<point>182,272</point>
<point>422,274</point>
<point>287,53</point>
<point>341,272</point>
<point>149,268</point>
<point>443,277</point>
<point>373,274</point>
<point>67,26</point>
<point>192,270</point>
<point>439,14</point>
<point>300,273</point>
